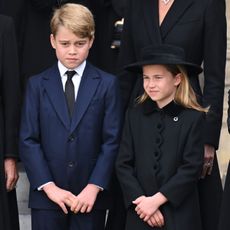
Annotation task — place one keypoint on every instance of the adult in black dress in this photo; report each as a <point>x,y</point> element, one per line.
<point>9,117</point>
<point>199,27</point>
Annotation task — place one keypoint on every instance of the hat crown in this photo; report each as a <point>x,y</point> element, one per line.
<point>163,54</point>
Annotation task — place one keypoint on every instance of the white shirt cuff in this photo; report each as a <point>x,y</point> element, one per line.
<point>40,188</point>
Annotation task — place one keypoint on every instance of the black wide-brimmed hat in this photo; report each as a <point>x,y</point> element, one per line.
<point>163,55</point>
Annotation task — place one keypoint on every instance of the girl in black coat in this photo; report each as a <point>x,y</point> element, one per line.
<point>161,152</point>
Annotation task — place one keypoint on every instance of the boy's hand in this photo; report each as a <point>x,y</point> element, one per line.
<point>84,201</point>
<point>156,220</point>
<point>59,196</point>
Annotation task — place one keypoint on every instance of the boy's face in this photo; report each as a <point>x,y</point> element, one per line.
<point>71,50</point>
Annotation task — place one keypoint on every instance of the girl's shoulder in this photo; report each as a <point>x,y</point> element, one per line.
<point>192,115</point>
<point>193,112</point>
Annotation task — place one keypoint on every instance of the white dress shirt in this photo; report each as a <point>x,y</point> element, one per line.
<point>76,77</point>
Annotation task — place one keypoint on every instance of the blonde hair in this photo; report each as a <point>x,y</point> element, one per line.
<point>75,17</point>
<point>185,95</point>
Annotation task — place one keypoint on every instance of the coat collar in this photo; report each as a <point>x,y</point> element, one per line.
<point>172,109</point>
<point>54,89</point>
<point>88,86</point>
<point>174,14</point>
<point>151,16</point>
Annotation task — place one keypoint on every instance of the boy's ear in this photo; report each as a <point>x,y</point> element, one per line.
<point>91,41</point>
<point>52,41</point>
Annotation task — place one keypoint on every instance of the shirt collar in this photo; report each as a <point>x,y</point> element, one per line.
<point>172,108</point>
<point>79,69</point>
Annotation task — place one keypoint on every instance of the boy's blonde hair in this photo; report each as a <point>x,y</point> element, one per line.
<point>75,17</point>
<point>185,95</point>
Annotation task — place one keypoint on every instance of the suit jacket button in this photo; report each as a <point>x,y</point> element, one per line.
<point>71,164</point>
<point>71,138</point>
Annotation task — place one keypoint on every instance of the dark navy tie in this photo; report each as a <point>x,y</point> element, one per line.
<point>69,91</point>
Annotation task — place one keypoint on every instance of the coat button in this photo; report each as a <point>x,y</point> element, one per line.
<point>155,167</point>
<point>156,153</point>
<point>71,164</point>
<point>175,118</point>
<point>71,138</point>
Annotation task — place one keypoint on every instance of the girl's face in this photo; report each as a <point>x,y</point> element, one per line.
<point>159,84</point>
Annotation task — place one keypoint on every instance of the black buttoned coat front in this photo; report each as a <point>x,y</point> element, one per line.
<point>162,151</point>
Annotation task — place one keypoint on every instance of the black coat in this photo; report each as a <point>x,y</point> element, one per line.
<point>106,13</point>
<point>17,12</point>
<point>9,117</point>
<point>161,151</point>
<point>36,53</point>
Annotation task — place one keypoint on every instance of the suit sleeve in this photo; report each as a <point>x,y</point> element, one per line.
<point>110,137</point>
<point>125,167</point>
<point>10,88</point>
<point>185,179</point>
<point>30,147</point>
<point>214,68</point>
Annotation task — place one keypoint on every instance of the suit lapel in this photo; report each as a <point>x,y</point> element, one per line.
<point>174,14</point>
<point>54,89</point>
<point>151,18</point>
<point>88,86</point>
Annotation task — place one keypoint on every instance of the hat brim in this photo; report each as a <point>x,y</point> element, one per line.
<point>190,67</point>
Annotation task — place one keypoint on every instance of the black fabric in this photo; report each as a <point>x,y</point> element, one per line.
<point>69,91</point>
<point>210,196</point>
<point>224,222</point>
<point>9,118</point>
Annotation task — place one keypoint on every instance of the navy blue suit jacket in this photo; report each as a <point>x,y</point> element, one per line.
<point>72,153</point>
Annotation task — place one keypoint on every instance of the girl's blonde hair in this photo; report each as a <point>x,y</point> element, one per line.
<point>75,17</point>
<point>185,95</point>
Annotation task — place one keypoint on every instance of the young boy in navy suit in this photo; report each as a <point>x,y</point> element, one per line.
<point>70,130</point>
